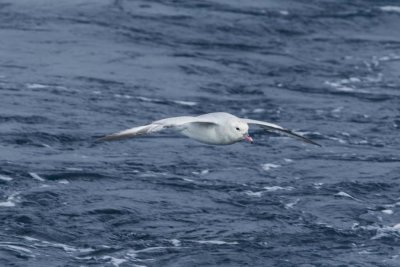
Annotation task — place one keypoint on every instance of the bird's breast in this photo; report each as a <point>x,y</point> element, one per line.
<point>208,134</point>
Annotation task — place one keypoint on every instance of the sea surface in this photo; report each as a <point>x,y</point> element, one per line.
<point>71,71</point>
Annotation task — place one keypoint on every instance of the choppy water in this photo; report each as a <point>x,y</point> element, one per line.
<point>74,70</point>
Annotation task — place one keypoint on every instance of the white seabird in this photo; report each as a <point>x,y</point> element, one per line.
<point>219,128</point>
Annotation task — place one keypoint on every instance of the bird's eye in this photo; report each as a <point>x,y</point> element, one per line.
<point>237,128</point>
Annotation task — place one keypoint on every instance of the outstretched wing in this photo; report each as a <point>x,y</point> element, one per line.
<point>175,122</point>
<point>276,128</point>
<point>136,131</point>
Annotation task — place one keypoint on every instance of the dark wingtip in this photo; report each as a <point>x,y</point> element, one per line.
<point>115,137</point>
<point>306,140</point>
<point>302,138</point>
<point>314,143</point>
<point>106,138</point>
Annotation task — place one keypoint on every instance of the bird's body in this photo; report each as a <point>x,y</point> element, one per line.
<point>217,128</point>
<point>216,131</point>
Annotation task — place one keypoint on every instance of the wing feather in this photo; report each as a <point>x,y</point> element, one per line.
<point>276,128</point>
<point>136,131</point>
<point>175,122</point>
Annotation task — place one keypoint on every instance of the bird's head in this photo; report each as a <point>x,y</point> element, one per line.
<point>240,130</point>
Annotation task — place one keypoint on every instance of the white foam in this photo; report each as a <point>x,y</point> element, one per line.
<point>63,181</point>
<point>36,176</point>
<point>389,58</point>
<point>123,96</point>
<point>7,204</point>
<point>268,166</point>
<point>397,226</point>
<point>350,80</point>
<point>258,110</point>
<point>10,200</point>
<point>146,99</point>
<point>202,172</point>
<point>114,261</point>
<point>176,242</point>
<point>133,253</point>
<point>288,160</point>
<point>150,249</point>
<point>344,194</point>
<point>333,84</point>
<point>185,103</point>
<point>254,194</point>
<point>389,212</point>
<point>85,258</point>
<point>74,169</point>
<point>276,188</point>
<point>216,242</point>
<point>30,238</point>
<point>362,142</point>
<point>390,8</point>
<point>337,110</point>
<point>284,12</point>
<point>65,247</point>
<point>385,231</point>
<point>318,185</point>
<point>5,178</point>
<point>19,248</point>
<point>45,145</point>
<point>337,139</point>
<point>291,204</point>
<point>36,86</point>
<point>340,87</point>
<point>153,174</point>
<point>179,102</point>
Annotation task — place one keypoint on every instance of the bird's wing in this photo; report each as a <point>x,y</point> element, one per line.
<point>276,128</point>
<point>175,122</point>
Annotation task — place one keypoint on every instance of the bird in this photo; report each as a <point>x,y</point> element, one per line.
<point>217,128</point>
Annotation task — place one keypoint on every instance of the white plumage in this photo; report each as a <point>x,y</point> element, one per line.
<point>217,128</point>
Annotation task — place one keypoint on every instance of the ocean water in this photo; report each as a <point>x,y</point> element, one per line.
<point>71,71</point>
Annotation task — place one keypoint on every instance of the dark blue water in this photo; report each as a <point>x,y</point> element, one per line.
<point>74,70</point>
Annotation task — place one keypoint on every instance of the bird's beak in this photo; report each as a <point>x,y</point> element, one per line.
<point>247,138</point>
